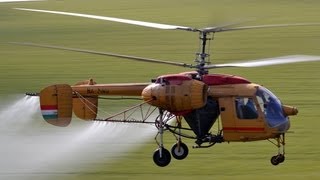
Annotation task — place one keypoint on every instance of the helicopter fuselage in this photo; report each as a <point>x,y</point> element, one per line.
<point>248,111</point>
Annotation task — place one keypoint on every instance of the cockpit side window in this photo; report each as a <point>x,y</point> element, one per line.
<point>246,108</point>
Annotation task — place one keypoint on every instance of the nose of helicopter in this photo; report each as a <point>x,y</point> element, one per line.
<point>147,93</point>
<point>289,110</point>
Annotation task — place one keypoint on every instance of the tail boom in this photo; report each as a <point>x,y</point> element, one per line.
<point>128,89</point>
<point>59,101</point>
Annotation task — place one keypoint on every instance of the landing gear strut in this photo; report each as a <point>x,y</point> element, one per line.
<point>279,158</point>
<point>161,156</point>
<point>179,150</point>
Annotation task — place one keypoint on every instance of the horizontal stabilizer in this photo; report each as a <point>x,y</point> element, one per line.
<point>56,104</point>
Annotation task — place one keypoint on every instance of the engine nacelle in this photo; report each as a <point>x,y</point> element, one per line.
<point>176,93</point>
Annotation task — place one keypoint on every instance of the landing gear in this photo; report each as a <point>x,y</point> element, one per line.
<point>179,151</point>
<point>279,158</point>
<point>161,156</point>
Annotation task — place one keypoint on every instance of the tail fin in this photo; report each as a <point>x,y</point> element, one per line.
<point>85,108</point>
<point>56,104</point>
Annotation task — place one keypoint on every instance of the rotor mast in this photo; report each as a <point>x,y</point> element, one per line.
<point>202,57</point>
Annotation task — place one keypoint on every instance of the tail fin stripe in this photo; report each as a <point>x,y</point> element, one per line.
<point>50,117</point>
<point>49,107</point>
<point>49,112</point>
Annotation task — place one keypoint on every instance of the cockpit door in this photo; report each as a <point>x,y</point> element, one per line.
<point>241,118</point>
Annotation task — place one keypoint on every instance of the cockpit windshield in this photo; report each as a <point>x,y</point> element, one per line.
<point>271,107</point>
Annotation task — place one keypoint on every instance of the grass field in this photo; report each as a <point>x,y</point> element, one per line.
<point>25,69</point>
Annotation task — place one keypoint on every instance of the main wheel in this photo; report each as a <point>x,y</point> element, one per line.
<point>179,151</point>
<point>163,159</point>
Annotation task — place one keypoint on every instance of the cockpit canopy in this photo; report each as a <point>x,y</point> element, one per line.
<point>272,109</point>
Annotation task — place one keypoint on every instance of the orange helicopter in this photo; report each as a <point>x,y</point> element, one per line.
<point>246,111</point>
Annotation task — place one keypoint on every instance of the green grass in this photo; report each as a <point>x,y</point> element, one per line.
<point>30,69</point>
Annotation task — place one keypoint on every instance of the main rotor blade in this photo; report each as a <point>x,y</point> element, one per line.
<point>4,1</point>
<point>223,29</point>
<point>105,18</point>
<point>167,26</point>
<point>105,54</point>
<point>268,61</point>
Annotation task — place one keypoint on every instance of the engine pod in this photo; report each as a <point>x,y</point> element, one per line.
<point>176,93</point>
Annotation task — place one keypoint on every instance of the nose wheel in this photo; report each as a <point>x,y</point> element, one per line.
<point>279,158</point>
<point>275,160</point>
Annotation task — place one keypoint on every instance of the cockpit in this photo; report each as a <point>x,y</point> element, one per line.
<point>272,109</point>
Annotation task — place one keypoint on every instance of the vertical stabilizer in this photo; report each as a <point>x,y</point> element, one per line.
<point>86,108</point>
<point>56,104</point>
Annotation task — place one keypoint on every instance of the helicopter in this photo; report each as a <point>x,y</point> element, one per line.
<point>244,111</point>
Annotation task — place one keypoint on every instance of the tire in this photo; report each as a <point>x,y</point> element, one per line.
<point>181,152</point>
<point>162,160</point>
<point>281,158</point>
<point>274,160</point>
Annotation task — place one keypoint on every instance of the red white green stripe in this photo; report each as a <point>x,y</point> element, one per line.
<point>49,112</point>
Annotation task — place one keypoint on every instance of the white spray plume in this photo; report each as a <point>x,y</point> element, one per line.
<point>30,146</point>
